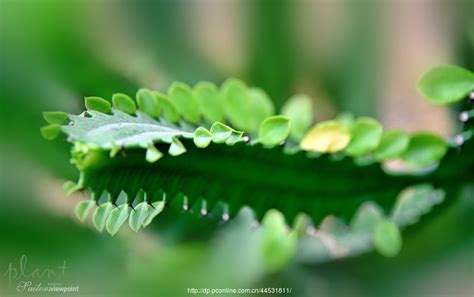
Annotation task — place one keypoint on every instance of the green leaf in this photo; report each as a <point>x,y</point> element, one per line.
<point>367,218</point>
<point>366,135</point>
<point>117,217</point>
<point>393,144</point>
<point>83,208</point>
<point>220,132</point>
<point>50,132</point>
<point>148,103</point>
<point>278,245</point>
<point>301,224</point>
<point>326,137</point>
<point>413,202</point>
<point>101,214</point>
<point>274,130</point>
<point>387,239</point>
<point>120,130</point>
<point>153,210</point>
<point>261,107</point>
<point>234,137</point>
<point>346,118</point>
<point>202,137</point>
<point>425,149</point>
<point>70,187</point>
<point>124,103</point>
<point>153,154</point>
<point>210,102</point>
<point>55,117</point>
<point>168,109</point>
<point>186,104</point>
<point>334,239</point>
<point>114,150</point>
<point>176,147</point>
<point>446,84</point>
<point>237,104</point>
<point>245,107</point>
<point>299,109</point>
<point>334,226</point>
<point>98,104</point>
<point>138,216</point>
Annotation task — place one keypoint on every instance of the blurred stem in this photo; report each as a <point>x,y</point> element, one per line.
<point>464,29</point>
<point>352,77</point>
<point>272,63</point>
<point>163,27</point>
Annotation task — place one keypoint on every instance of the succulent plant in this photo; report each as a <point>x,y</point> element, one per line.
<point>219,153</point>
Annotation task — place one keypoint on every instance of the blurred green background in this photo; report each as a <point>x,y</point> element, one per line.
<point>359,56</point>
